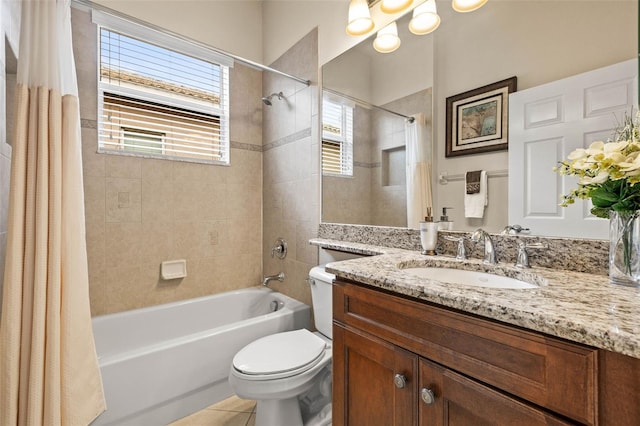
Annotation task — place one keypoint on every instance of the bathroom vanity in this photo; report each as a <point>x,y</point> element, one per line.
<point>410,352</point>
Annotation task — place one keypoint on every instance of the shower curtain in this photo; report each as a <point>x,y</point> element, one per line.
<point>418,154</point>
<point>49,373</point>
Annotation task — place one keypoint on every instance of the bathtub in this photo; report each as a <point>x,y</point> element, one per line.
<point>164,362</point>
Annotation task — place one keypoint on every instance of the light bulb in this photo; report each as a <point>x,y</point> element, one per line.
<point>387,39</point>
<point>467,5</point>
<point>425,18</point>
<point>394,6</point>
<point>360,22</point>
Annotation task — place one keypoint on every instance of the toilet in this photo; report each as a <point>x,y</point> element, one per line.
<point>289,373</point>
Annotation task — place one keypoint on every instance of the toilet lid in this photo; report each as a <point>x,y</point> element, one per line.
<point>281,352</point>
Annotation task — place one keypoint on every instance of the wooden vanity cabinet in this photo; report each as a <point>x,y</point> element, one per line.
<point>399,361</point>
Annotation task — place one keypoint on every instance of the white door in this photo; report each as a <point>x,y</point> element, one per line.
<point>546,123</point>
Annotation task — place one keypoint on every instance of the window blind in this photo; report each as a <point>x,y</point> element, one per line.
<point>337,138</point>
<point>155,101</point>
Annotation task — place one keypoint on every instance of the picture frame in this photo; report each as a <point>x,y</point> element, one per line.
<point>478,120</point>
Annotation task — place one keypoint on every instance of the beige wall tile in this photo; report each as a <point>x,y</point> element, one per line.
<point>246,116</point>
<point>123,289</point>
<point>93,164</point>
<point>156,242</point>
<point>245,201</point>
<point>97,295</point>
<point>197,240</point>
<point>85,50</point>
<point>121,166</point>
<point>245,236</point>
<point>123,244</point>
<point>96,248</point>
<point>246,167</point>
<point>94,199</point>
<point>154,170</point>
<point>157,197</point>
<point>123,200</point>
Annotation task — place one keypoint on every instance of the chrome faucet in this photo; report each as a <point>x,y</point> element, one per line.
<point>279,277</point>
<point>489,250</point>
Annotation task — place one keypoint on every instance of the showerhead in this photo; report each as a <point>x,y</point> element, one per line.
<point>267,99</point>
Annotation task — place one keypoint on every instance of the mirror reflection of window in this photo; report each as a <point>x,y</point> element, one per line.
<point>337,139</point>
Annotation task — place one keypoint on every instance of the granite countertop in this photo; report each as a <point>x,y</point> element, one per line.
<point>577,306</point>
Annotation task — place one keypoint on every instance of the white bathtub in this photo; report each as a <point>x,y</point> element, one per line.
<point>164,362</point>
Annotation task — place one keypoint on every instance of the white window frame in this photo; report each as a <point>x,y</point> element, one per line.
<point>167,41</point>
<point>345,139</point>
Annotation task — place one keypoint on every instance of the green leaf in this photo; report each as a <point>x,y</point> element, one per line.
<point>600,212</point>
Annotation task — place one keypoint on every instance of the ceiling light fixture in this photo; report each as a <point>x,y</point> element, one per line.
<point>387,40</point>
<point>425,18</point>
<point>467,5</point>
<point>395,6</point>
<point>360,22</point>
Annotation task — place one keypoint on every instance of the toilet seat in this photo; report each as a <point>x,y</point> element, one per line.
<point>280,355</point>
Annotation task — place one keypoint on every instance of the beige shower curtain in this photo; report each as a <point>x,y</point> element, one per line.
<point>418,157</point>
<point>49,373</point>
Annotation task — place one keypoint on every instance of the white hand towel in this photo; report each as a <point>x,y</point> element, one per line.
<point>474,203</point>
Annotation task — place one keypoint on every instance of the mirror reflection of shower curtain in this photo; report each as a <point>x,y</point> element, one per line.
<point>419,157</point>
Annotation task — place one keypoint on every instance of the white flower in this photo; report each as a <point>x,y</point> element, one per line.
<point>595,148</point>
<point>613,147</point>
<point>581,164</point>
<point>577,154</point>
<point>599,178</point>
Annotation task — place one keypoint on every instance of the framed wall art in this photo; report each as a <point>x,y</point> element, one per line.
<point>478,120</point>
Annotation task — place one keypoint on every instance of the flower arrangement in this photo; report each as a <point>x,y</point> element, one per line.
<point>608,172</point>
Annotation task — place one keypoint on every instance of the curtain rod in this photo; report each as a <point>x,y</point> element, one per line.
<point>88,4</point>
<point>368,104</point>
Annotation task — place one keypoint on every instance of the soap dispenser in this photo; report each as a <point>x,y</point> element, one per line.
<point>428,234</point>
<point>445,224</point>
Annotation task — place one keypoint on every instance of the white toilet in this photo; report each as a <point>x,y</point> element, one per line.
<point>289,374</point>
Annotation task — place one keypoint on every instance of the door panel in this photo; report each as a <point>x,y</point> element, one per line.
<point>546,123</point>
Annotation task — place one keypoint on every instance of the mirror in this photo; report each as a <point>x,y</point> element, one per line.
<point>536,41</point>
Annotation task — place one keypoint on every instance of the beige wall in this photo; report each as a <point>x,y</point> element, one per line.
<point>230,25</point>
<point>140,212</point>
<point>291,164</point>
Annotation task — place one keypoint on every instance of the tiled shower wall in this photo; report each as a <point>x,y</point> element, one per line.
<point>291,164</point>
<point>140,212</point>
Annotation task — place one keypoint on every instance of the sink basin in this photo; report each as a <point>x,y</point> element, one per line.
<point>470,278</point>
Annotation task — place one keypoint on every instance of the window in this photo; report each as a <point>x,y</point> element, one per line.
<point>161,98</point>
<point>337,139</point>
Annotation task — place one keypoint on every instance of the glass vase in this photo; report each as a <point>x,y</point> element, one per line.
<point>624,248</point>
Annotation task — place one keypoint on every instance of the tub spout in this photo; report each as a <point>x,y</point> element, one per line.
<point>279,277</point>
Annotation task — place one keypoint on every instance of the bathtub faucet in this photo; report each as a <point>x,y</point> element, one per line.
<point>279,277</point>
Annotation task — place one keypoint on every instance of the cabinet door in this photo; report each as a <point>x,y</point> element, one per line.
<point>374,382</point>
<point>453,399</point>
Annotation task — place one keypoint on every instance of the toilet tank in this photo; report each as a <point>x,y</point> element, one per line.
<point>321,296</point>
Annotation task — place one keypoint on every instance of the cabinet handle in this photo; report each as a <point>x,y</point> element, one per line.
<point>427,396</point>
<point>400,381</point>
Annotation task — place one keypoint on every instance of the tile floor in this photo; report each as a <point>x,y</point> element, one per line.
<point>230,412</point>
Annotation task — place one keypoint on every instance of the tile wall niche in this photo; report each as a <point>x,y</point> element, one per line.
<point>291,165</point>
<point>209,215</point>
